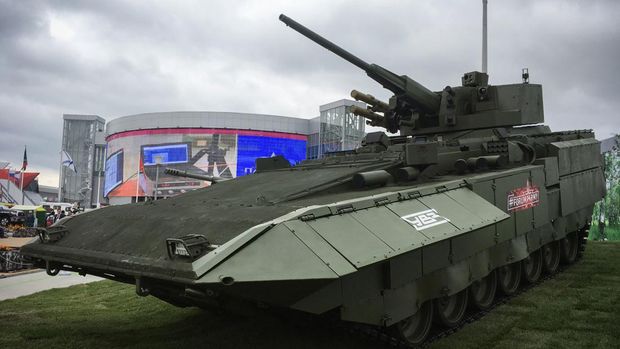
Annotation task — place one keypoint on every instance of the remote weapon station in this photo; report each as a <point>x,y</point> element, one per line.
<point>473,198</point>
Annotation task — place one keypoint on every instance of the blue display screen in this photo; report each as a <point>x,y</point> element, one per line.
<point>166,154</point>
<point>252,147</point>
<point>113,172</point>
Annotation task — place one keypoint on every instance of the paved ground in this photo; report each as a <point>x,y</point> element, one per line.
<point>25,284</point>
<point>14,242</point>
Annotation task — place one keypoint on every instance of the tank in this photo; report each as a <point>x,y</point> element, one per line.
<point>473,197</point>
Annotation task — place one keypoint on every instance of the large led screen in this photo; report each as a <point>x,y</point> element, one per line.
<point>166,154</point>
<point>226,154</point>
<point>213,154</point>
<point>113,172</point>
<point>252,147</point>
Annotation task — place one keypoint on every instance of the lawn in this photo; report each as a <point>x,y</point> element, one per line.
<point>579,308</point>
<point>611,232</point>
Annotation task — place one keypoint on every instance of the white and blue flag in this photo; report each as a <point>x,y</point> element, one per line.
<point>67,161</point>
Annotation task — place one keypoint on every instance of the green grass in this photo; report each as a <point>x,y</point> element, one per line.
<point>580,308</point>
<point>109,315</point>
<point>612,233</point>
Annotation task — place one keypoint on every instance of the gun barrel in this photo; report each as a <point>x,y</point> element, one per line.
<point>324,42</point>
<point>180,173</point>
<point>402,86</point>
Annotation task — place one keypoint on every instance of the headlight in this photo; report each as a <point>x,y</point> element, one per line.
<point>180,250</point>
<point>190,246</point>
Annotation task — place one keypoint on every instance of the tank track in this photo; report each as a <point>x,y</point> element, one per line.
<point>384,336</point>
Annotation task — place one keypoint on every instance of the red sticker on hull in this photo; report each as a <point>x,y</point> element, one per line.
<point>523,198</point>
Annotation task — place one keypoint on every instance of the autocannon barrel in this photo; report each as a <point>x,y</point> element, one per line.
<point>324,42</point>
<point>400,85</point>
<point>179,173</point>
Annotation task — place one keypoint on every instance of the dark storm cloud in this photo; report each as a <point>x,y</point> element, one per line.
<point>114,58</point>
<point>18,19</point>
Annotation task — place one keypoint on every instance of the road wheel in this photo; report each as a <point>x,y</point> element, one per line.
<point>551,257</point>
<point>482,292</point>
<point>4,221</point>
<point>582,239</point>
<point>532,267</point>
<point>449,311</point>
<point>414,329</point>
<point>569,248</point>
<point>509,277</point>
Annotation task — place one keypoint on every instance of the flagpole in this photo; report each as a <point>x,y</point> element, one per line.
<point>98,189</point>
<point>24,164</point>
<point>60,177</point>
<point>99,177</point>
<point>22,185</point>
<point>138,181</point>
<point>8,185</point>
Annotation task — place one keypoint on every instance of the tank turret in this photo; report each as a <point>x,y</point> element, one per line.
<point>416,110</point>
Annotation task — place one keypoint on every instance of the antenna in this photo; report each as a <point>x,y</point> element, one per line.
<point>484,36</point>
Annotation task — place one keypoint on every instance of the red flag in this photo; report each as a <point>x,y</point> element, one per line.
<point>25,163</point>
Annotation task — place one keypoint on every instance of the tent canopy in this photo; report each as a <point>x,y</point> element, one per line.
<point>27,208</point>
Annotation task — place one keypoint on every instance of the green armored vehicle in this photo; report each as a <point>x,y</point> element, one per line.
<point>473,198</point>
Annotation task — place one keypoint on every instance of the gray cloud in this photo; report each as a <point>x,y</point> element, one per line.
<point>114,58</point>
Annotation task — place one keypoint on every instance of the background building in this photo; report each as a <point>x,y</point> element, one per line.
<point>209,143</point>
<point>83,138</point>
<point>48,193</point>
<point>336,129</point>
<point>11,186</point>
<point>223,144</point>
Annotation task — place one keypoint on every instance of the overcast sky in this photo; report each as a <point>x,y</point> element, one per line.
<point>115,58</point>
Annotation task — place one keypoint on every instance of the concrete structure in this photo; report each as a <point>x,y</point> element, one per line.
<point>48,193</point>
<point>83,139</point>
<point>207,119</point>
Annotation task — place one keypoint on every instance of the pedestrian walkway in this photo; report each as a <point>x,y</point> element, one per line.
<point>25,284</point>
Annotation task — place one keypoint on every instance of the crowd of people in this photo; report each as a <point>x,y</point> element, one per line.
<point>57,214</point>
<point>35,217</point>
